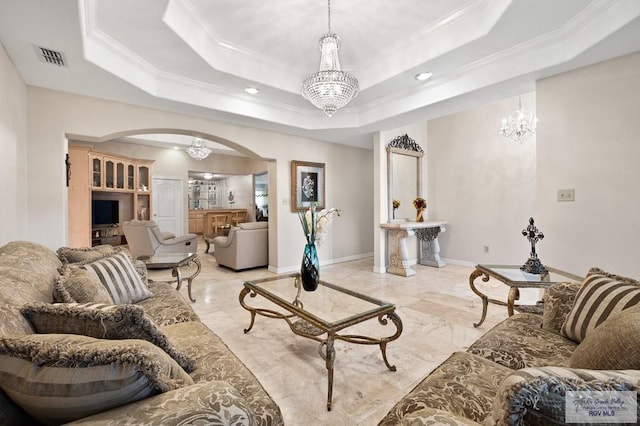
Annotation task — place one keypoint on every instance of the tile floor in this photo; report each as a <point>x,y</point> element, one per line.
<point>437,309</point>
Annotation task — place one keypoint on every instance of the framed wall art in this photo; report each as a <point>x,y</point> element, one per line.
<point>307,185</point>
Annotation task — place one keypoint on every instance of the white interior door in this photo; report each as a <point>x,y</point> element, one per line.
<point>168,208</point>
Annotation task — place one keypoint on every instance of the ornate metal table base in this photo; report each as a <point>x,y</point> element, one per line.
<point>177,274</point>
<point>305,326</point>
<point>514,294</point>
<point>485,300</point>
<point>515,279</point>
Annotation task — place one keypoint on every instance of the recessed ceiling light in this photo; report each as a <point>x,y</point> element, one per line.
<point>207,176</point>
<point>252,90</point>
<point>423,76</point>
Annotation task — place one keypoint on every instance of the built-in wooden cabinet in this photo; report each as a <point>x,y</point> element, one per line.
<point>97,170</point>
<point>103,176</point>
<point>131,176</point>
<point>196,220</point>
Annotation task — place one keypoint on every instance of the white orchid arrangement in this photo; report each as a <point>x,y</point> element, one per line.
<point>315,224</point>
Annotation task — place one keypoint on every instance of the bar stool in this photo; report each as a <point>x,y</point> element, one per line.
<point>238,216</point>
<point>217,222</point>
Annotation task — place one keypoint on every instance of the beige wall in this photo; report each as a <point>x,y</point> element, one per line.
<point>58,116</point>
<point>13,143</point>
<point>589,139</point>
<point>483,185</point>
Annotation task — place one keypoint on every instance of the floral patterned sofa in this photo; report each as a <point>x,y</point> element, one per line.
<point>519,372</point>
<point>88,361</point>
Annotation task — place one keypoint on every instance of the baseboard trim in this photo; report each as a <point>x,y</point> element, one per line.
<point>324,262</point>
<point>460,262</point>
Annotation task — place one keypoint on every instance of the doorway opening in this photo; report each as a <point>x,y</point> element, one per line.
<point>261,196</point>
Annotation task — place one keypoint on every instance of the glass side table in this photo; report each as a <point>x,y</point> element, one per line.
<point>174,261</point>
<point>515,279</point>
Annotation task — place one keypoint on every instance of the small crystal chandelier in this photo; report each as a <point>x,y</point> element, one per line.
<point>520,126</point>
<point>330,88</point>
<point>198,149</point>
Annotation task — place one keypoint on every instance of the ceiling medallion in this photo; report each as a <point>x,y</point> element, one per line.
<point>330,88</point>
<point>198,149</point>
<point>519,126</point>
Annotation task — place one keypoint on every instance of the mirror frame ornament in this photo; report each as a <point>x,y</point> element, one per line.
<point>403,145</point>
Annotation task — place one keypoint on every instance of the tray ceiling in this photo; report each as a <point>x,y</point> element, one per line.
<point>197,56</point>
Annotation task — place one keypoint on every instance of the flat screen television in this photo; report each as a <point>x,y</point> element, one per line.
<point>104,212</point>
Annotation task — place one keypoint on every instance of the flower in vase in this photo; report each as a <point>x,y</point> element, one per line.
<point>420,203</point>
<point>396,204</point>
<point>315,224</point>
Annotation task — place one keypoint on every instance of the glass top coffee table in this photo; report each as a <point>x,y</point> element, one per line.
<point>513,277</point>
<point>174,261</point>
<point>321,314</point>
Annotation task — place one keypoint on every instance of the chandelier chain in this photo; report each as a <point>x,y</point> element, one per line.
<point>329,14</point>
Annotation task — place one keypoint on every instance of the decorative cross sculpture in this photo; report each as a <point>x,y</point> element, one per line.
<point>533,264</point>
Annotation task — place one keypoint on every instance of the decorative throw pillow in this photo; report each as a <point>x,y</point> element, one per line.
<point>614,345</point>
<point>118,275</point>
<point>599,297</point>
<point>60,378</point>
<point>558,300</point>
<point>85,254</point>
<point>536,396</point>
<point>103,322</point>
<point>626,280</point>
<point>78,285</point>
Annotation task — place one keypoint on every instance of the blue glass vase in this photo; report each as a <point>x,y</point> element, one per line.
<point>310,269</point>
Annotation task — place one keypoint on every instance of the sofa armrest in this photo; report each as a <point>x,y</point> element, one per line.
<point>558,300</point>
<point>179,240</point>
<point>224,242</point>
<point>537,395</point>
<point>212,402</point>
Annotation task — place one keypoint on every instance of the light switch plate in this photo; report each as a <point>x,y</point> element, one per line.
<point>567,194</point>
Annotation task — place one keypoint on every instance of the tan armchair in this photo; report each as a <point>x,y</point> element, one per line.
<point>246,246</point>
<point>145,239</point>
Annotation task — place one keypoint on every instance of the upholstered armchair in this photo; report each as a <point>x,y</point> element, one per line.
<point>246,246</point>
<point>145,239</point>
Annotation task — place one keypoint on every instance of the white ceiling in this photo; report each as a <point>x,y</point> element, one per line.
<point>197,56</point>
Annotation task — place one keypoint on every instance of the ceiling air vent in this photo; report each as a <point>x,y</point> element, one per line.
<point>50,56</point>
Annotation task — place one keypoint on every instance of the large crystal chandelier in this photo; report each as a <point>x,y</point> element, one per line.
<point>330,88</point>
<point>198,149</point>
<point>520,126</point>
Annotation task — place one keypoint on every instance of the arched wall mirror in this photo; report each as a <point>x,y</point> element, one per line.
<point>404,172</point>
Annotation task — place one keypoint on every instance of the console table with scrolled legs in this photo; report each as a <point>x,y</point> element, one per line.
<point>427,232</point>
